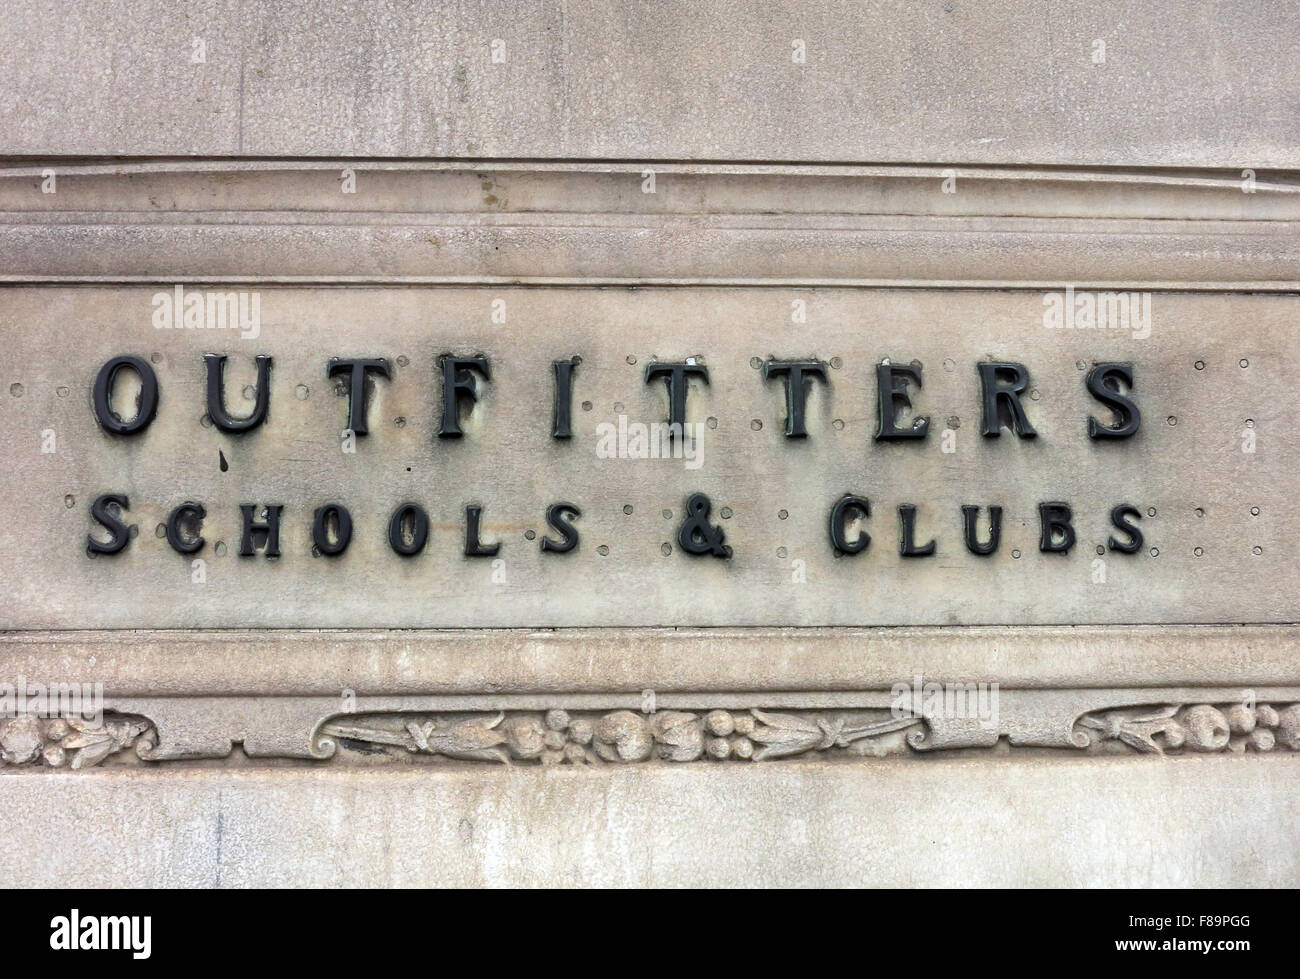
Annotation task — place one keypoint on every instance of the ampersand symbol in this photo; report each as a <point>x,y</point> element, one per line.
<point>697,536</point>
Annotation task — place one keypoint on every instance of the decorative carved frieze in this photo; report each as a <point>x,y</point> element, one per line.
<point>558,737</point>
<point>587,737</point>
<point>1178,728</point>
<point>74,743</point>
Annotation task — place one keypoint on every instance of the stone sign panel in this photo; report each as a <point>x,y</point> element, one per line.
<point>557,494</point>
<point>558,456</point>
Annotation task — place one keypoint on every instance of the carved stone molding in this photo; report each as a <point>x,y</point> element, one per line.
<point>558,737</point>
<point>594,737</point>
<point>589,223</point>
<point>561,663</point>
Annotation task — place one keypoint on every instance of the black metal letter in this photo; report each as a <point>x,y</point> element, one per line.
<point>563,416</point>
<point>970,517</point>
<point>676,377</point>
<point>359,370</point>
<point>260,534</point>
<point>1122,517</point>
<point>332,513</point>
<point>798,376</point>
<point>120,533</point>
<point>697,535</point>
<point>891,391</point>
<point>457,383</point>
<point>908,548</point>
<point>844,508</point>
<point>1002,385</point>
<point>561,516</point>
<point>1103,384</point>
<point>1056,535</point>
<point>216,394</point>
<point>183,526</point>
<point>399,540</point>
<point>146,404</point>
<point>473,546</point>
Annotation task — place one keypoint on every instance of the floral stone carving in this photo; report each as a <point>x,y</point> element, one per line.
<point>1197,727</point>
<point>558,737</point>
<point>74,743</point>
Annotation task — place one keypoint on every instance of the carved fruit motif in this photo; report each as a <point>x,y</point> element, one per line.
<point>1199,727</point>
<point>72,743</point>
<point>1288,727</point>
<point>1241,719</point>
<point>21,741</point>
<point>1206,728</point>
<point>623,736</point>
<point>680,736</point>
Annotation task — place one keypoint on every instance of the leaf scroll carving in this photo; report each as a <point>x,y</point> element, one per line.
<point>624,736</point>
<point>1206,728</point>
